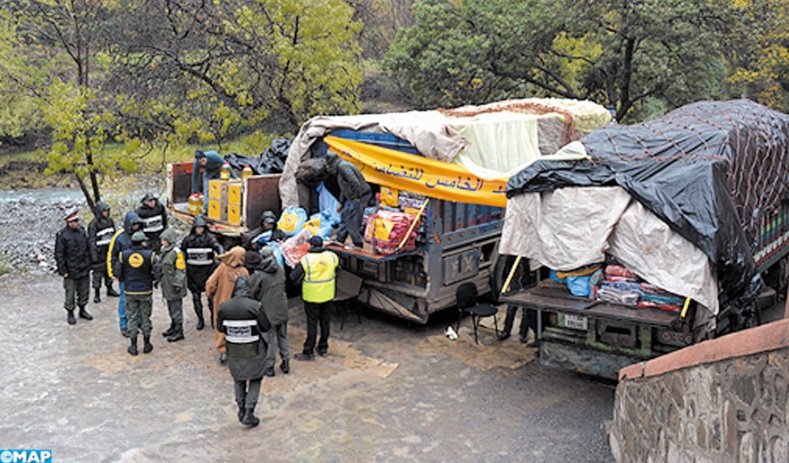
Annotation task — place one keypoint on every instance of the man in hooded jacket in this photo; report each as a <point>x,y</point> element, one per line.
<point>154,217</point>
<point>100,232</point>
<point>268,223</point>
<point>173,283</point>
<point>355,194</point>
<point>243,323</point>
<point>267,285</point>
<point>220,287</point>
<point>200,248</point>
<point>73,260</point>
<point>120,242</point>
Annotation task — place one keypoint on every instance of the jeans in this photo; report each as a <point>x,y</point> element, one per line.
<point>122,306</point>
<point>351,220</point>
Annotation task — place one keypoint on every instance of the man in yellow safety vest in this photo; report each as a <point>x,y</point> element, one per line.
<point>317,273</point>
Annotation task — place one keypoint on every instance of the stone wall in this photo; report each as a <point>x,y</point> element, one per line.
<point>725,400</point>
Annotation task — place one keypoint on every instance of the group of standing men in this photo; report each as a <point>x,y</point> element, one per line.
<point>250,320</point>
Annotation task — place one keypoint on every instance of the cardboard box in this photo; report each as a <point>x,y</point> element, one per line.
<point>234,214</point>
<point>234,190</point>
<point>216,211</point>
<point>216,188</point>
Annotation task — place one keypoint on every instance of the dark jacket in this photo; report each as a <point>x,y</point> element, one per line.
<point>243,320</point>
<point>200,252</point>
<point>349,177</point>
<point>154,220</point>
<point>139,270</point>
<point>276,234</point>
<point>212,169</point>
<point>121,242</point>
<point>100,232</point>
<point>267,285</point>
<point>173,268</point>
<point>71,252</point>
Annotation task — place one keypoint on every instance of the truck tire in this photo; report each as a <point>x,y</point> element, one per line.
<point>523,278</point>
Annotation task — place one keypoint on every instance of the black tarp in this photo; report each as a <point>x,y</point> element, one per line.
<point>270,161</point>
<point>713,171</point>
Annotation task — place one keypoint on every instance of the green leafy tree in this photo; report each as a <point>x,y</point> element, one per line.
<point>212,70</point>
<point>54,47</point>
<point>620,53</point>
<point>757,49</point>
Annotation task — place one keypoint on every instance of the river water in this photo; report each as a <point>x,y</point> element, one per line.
<point>47,195</point>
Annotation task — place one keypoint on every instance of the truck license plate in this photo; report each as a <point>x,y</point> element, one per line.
<point>576,322</point>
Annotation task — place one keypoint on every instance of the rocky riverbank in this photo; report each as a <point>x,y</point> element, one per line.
<point>27,234</point>
<point>29,222</point>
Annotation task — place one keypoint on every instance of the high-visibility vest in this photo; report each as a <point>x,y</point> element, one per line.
<point>319,276</point>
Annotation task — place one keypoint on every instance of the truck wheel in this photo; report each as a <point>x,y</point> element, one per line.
<point>523,278</point>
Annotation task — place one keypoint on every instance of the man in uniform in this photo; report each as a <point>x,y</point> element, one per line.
<point>119,243</point>
<point>317,271</point>
<point>355,194</point>
<point>243,322</point>
<point>154,217</point>
<point>100,232</point>
<point>173,284</point>
<point>139,269</point>
<point>200,247</point>
<point>73,260</point>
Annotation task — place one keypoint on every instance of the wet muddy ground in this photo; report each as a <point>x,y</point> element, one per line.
<point>389,391</point>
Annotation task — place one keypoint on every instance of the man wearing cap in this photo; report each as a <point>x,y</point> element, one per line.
<point>73,261</point>
<point>154,218</point>
<point>139,270</point>
<point>317,273</point>
<point>211,162</point>
<point>243,322</point>
<point>100,232</point>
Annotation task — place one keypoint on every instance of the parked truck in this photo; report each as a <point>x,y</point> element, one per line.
<point>696,203</point>
<point>453,163</point>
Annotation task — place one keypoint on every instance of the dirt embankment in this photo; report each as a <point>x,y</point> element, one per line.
<point>15,175</point>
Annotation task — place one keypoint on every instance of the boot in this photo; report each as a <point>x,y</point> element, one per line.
<point>198,305</point>
<point>269,372</point>
<point>148,347</point>
<point>249,418</point>
<point>111,292</point>
<point>170,330</point>
<point>177,335</point>
<point>97,297</point>
<point>132,346</point>
<point>285,366</point>
<point>241,411</point>
<point>84,314</point>
<point>70,317</point>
